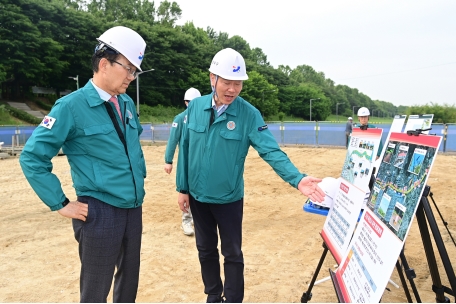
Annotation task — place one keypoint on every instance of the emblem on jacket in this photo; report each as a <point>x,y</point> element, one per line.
<point>262,128</point>
<point>48,122</point>
<point>231,125</point>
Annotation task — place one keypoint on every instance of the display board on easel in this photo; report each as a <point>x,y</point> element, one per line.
<point>351,189</point>
<point>419,122</point>
<point>377,242</point>
<point>396,127</point>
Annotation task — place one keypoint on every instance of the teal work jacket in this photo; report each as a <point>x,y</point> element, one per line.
<point>174,136</point>
<point>100,167</point>
<point>211,165</point>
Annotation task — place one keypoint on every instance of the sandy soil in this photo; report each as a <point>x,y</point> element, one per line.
<point>282,244</point>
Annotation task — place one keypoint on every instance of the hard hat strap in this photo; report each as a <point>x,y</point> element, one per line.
<point>214,86</point>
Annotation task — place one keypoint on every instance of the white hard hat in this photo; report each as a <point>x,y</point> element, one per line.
<point>329,185</point>
<point>191,94</point>
<point>229,64</point>
<point>363,111</point>
<point>350,118</point>
<point>125,41</point>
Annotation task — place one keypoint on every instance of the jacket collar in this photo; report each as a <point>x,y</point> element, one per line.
<point>231,110</point>
<point>93,98</point>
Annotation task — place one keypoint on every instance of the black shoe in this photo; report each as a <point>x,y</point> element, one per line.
<point>215,299</point>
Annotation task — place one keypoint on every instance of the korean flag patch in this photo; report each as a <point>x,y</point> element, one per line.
<point>48,122</point>
<point>174,125</point>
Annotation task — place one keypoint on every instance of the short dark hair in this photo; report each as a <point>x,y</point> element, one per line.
<point>103,51</point>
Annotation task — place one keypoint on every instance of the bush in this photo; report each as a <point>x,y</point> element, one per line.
<point>52,99</point>
<point>23,115</point>
<point>42,105</point>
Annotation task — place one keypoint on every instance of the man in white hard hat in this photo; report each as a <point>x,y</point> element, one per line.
<point>98,129</point>
<point>348,130</point>
<point>363,118</point>
<point>173,141</point>
<point>220,129</point>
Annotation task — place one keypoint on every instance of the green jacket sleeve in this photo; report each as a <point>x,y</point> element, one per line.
<point>174,137</point>
<point>182,161</point>
<point>262,140</point>
<point>38,152</point>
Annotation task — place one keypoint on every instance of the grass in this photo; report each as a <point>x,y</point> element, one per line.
<point>8,120</point>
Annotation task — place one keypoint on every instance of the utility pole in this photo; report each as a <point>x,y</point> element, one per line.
<point>137,88</point>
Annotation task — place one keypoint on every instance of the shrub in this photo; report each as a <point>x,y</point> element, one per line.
<point>23,115</point>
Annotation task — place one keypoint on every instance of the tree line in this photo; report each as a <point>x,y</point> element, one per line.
<point>47,42</point>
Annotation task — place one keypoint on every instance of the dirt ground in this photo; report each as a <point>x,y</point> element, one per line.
<point>282,244</point>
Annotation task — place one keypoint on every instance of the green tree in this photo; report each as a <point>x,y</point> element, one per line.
<point>261,94</point>
<point>2,73</point>
<point>29,55</point>
<point>168,13</point>
<point>296,101</point>
<point>442,113</point>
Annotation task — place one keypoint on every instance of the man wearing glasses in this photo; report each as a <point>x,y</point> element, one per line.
<point>98,129</point>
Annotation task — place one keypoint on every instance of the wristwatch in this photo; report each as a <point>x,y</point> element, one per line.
<point>65,202</point>
<point>183,191</point>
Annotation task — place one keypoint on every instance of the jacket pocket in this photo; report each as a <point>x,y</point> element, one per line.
<point>230,135</point>
<point>101,140</point>
<point>132,123</point>
<point>196,128</point>
<point>99,129</point>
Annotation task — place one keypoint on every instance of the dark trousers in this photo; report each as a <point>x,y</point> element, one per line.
<point>227,218</point>
<point>109,238</point>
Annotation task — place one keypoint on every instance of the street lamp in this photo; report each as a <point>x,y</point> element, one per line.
<point>337,110</point>
<point>311,107</point>
<point>137,88</point>
<point>77,81</point>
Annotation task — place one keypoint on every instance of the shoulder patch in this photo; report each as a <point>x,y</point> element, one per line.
<point>174,125</point>
<point>48,122</point>
<point>262,128</point>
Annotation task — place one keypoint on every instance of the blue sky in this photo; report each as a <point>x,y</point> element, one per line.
<point>403,52</point>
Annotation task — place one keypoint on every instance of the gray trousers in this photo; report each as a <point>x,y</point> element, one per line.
<point>110,238</point>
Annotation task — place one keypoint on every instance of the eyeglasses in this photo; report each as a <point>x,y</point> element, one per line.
<point>130,71</point>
